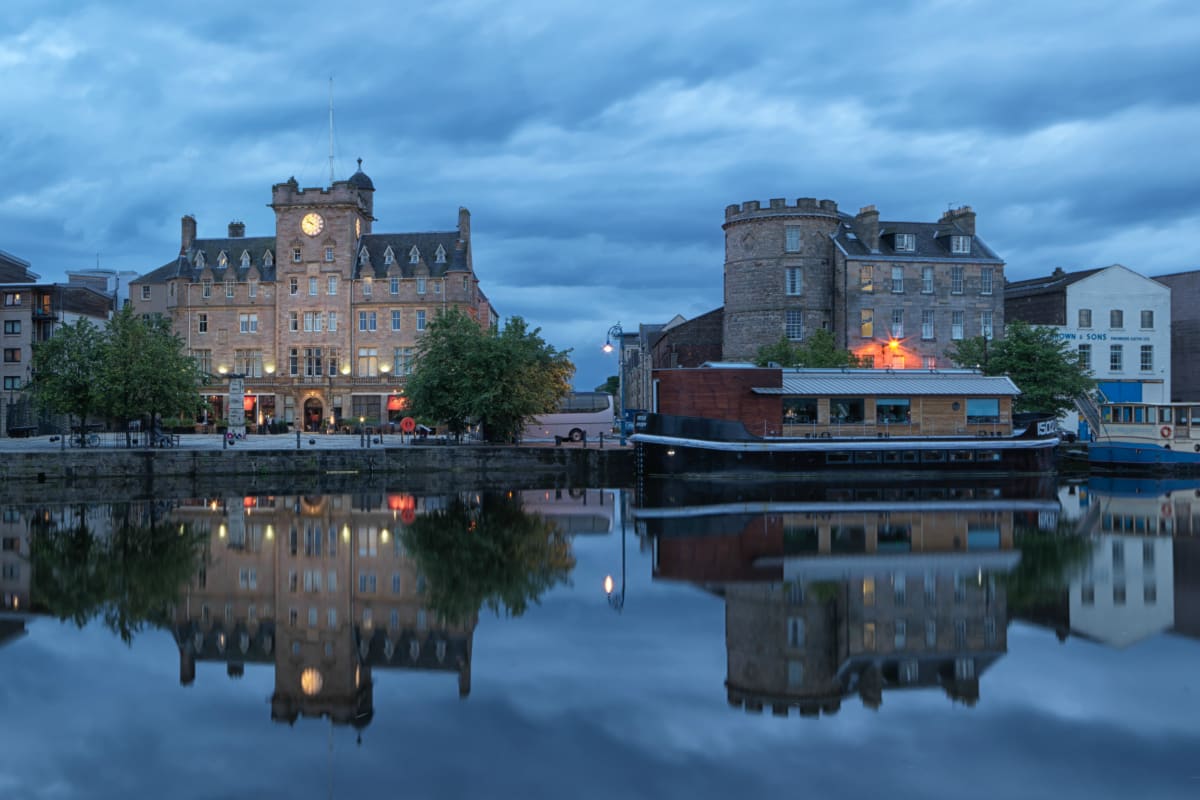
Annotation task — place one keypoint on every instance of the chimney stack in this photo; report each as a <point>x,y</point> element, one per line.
<point>963,218</point>
<point>188,233</point>
<point>237,230</point>
<point>866,224</point>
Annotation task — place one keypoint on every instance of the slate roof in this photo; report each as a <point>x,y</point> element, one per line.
<point>402,244</point>
<point>882,382</point>
<point>184,265</point>
<point>1046,284</point>
<point>932,242</point>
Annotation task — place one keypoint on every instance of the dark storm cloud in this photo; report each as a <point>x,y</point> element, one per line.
<point>597,146</point>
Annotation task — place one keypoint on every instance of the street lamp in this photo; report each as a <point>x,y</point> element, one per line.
<point>616,332</point>
<point>616,599</point>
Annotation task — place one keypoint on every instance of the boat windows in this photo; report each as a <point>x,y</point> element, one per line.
<point>837,458</point>
<point>892,410</point>
<point>1195,415</point>
<point>891,457</point>
<point>960,455</point>
<point>847,409</point>
<point>867,457</point>
<point>1139,414</point>
<point>933,456</point>
<point>799,538</point>
<point>982,410</point>
<point>987,455</point>
<point>1164,414</point>
<point>910,457</point>
<point>848,539</point>
<point>799,410</point>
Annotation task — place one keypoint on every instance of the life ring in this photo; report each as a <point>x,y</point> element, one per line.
<point>1166,510</point>
<point>408,516</point>
<point>408,424</point>
<point>1165,430</point>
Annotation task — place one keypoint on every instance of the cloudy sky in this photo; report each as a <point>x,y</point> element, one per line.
<point>597,145</point>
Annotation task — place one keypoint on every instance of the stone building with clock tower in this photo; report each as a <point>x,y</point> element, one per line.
<point>322,318</point>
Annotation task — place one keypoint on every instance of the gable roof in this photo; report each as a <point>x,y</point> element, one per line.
<point>376,245</point>
<point>932,240</point>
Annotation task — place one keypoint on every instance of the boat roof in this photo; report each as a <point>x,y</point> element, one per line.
<point>886,382</point>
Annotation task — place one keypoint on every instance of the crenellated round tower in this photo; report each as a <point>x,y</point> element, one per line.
<point>778,258</point>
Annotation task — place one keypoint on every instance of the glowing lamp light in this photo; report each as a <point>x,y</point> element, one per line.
<point>222,369</point>
<point>893,345</point>
<point>608,584</point>
<point>345,369</point>
<point>270,369</point>
<point>385,368</point>
<point>608,348</point>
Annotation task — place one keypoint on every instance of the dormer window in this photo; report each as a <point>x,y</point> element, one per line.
<point>268,259</point>
<point>414,255</point>
<point>906,242</point>
<point>222,260</point>
<point>960,245</point>
<point>389,257</point>
<point>200,260</point>
<point>440,256</point>
<point>364,257</point>
<point>245,260</point>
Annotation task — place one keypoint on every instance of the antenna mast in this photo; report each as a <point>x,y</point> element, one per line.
<point>331,130</point>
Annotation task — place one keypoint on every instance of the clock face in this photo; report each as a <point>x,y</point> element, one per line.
<point>312,224</point>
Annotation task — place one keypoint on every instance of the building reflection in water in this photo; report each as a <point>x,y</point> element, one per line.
<point>838,591</point>
<point>322,588</point>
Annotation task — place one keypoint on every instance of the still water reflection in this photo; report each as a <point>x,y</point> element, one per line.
<point>990,638</point>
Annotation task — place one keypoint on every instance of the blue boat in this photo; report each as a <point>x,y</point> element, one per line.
<point>1148,436</point>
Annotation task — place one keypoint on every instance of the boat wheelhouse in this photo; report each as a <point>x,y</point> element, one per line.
<point>1145,435</point>
<point>738,418</point>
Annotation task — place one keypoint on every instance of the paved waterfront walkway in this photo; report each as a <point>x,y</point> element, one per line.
<point>283,441</point>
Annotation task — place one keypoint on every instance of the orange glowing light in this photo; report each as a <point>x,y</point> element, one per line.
<point>401,502</point>
<point>893,344</point>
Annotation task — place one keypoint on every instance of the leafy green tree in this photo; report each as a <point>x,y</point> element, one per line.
<point>145,369</point>
<point>498,379</point>
<point>493,555</point>
<point>819,350</point>
<point>1043,366</point>
<point>611,385</point>
<point>64,368</point>
<point>1049,561</point>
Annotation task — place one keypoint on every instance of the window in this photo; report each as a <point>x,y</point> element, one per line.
<point>440,256</point>
<point>12,355</point>
<point>421,320</point>
<point>329,254</point>
<point>203,359</point>
<point>389,257</point>
<point>795,324</point>
<point>366,320</point>
<point>897,280</point>
<point>898,323</point>
<point>926,324</point>
<point>333,322</point>
<point>927,280</point>
<point>293,285</point>
<point>1147,319</point>
<point>312,362</point>
<point>982,410</point>
<point>1085,318</point>
<point>960,245</point>
<point>1085,356</point>
<point>795,632</point>
<point>956,324</point>
<point>930,633</point>
<point>12,299</point>
<point>368,362</point>
<point>869,636</point>
<point>1147,362</point>
<point>312,286</point>
<point>206,289</point>
<point>1115,356</point>
<point>310,321</point>
<point>248,363</point>
<point>395,319</point>
<point>331,285</point>
<point>414,255</point>
<point>866,278</point>
<point>985,280</point>
<point>846,409</point>
<point>229,286</point>
<point>404,365</point>
<point>901,637</point>
<point>252,288</point>
<point>799,410</point>
<point>956,280</point>
<point>12,326</point>
<point>906,242</point>
<point>795,281</point>
<point>1116,318</point>
<point>145,292</point>
<point>11,383</point>
<point>420,286</point>
<point>202,323</point>
<point>395,285</point>
<point>248,323</point>
<point>791,238</point>
<point>866,326</point>
<point>868,591</point>
<point>960,634</point>
<point>985,324</point>
<point>892,410</point>
<point>293,321</point>
<point>296,255</point>
<point>367,287</point>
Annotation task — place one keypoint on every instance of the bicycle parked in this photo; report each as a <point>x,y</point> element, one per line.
<point>80,439</point>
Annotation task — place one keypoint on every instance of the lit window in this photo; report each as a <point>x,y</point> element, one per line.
<point>794,282</point>
<point>866,278</point>
<point>795,324</point>
<point>868,591</point>
<point>866,327</point>
<point>367,287</point>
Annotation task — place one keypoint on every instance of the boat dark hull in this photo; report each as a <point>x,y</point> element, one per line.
<point>690,446</point>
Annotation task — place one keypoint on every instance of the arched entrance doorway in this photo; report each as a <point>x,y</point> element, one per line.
<point>313,411</point>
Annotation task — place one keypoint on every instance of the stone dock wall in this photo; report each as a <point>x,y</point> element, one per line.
<point>128,474</point>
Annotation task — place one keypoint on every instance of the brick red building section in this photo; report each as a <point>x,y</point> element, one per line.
<point>719,393</point>
<point>723,559</point>
<point>691,343</point>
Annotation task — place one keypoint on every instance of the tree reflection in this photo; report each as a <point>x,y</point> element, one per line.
<point>491,554</point>
<point>1049,560</point>
<point>125,568</point>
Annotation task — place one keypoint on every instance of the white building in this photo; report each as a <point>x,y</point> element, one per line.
<point>1118,321</point>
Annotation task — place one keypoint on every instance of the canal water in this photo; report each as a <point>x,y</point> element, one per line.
<point>974,638</point>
